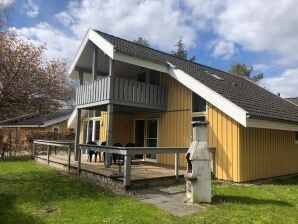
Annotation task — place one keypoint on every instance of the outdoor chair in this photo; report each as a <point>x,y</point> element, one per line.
<point>92,151</point>
<point>104,154</point>
<point>116,156</point>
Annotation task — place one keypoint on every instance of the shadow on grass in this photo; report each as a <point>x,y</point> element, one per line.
<point>248,201</point>
<point>9,213</point>
<point>48,186</point>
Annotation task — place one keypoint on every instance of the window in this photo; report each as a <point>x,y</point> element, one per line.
<point>141,77</point>
<point>198,103</point>
<point>151,77</point>
<point>154,77</point>
<point>56,128</point>
<point>151,137</point>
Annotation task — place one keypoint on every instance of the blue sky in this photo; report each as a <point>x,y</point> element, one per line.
<point>261,34</point>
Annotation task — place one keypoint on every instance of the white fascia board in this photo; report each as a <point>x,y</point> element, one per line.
<point>257,123</point>
<point>72,119</point>
<point>223,104</point>
<point>78,53</point>
<point>20,126</point>
<point>55,121</point>
<point>101,43</point>
<point>139,62</point>
<point>98,40</point>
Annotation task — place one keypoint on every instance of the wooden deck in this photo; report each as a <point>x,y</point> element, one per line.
<point>140,170</point>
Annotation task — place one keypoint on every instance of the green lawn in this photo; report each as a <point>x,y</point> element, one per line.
<point>31,193</point>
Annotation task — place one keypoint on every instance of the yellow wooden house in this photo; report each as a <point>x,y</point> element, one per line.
<point>129,93</point>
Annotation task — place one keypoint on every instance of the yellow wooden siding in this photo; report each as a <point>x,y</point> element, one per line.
<point>62,126</point>
<point>174,124</point>
<point>122,128</point>
<point>103,127</point>
<point>267,153</point>
<point>223,134</point>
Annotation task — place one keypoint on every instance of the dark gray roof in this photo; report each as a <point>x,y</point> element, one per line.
<point>254,99</point>
<point>36,118</point>
<point>293,100</point>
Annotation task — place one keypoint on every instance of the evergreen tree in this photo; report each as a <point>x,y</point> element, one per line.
<point>243,70</point>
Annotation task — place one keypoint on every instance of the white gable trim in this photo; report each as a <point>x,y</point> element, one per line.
<point>73,118</point>
<point>223,104</point>
<point>257,123</point>
<point>98,40</point>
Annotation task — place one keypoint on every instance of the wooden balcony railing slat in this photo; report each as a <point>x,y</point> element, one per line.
<point>123,90</point>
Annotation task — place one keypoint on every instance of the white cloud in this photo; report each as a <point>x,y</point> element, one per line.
<point>223,49</point>
<point>161,22</point>
<point>261,67</point>
<point>5,3</point>
<point>31,8</point>
<point>58,43</point>
<point>286,84</point>
<point>268,25</point>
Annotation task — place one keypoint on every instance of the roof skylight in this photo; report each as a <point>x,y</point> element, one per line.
<point>215,76</point>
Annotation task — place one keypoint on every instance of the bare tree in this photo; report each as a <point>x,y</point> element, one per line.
<point>27,81</point>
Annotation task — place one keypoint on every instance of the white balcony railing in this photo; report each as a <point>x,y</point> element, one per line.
<point>121,91</point>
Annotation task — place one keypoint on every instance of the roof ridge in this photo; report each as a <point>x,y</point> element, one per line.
<point>182,59</point>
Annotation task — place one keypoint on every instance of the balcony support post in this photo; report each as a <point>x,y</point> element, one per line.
<point>94,62</point>
<point>110,109</point>
<point>81,77</point>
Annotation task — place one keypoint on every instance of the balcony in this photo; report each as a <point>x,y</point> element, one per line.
<point>121,91</point>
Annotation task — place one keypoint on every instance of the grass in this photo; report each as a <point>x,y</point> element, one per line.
<point>31,193</point>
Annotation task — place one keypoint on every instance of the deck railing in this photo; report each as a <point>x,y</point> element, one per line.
<point>122,91</point>
<point>128,152</point>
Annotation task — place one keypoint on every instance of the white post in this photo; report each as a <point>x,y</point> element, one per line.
<point>48,154</point>
<point>79,152</point>
<point>127,170</point>
<point>177,166</point>
<point>77,136</point>
<point>110,108</point>
<point>68,154</point>
<point>81,77</point>
<point>94,62</point>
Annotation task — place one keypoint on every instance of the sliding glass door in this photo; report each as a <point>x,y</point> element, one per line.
<point>146,135</point>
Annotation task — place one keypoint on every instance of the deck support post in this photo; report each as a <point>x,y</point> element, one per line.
<point>177,166</point>
<point>48,154</point>
<point>79,159</point>
<point>127,170</point>
<point>68,155</point>
<point>77,136</point>
<point>33,150</point>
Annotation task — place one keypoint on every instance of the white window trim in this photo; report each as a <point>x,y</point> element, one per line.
<point>145,135</point>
